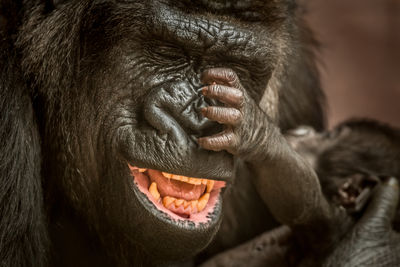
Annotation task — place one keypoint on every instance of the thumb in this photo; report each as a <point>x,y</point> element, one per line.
<point>382,208</point>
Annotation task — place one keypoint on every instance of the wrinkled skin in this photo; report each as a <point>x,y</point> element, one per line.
<point>100,84</point>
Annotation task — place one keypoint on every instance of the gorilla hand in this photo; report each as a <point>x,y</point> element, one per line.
<point>372,242</point>
<point>246,125</point>
<point>285,181</point>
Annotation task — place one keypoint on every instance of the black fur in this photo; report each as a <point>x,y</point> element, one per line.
<point>359,152</point>
<point>363,154</point>
<point>23,235</point>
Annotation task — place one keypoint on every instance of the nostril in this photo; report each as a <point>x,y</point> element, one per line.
<point>176,108</point>
<point>205,127</point>
<point>209,128</point>
<point>207,101</point>
<point>204,102</point>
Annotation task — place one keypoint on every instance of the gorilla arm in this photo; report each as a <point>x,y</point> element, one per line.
<point>322,232</point>
<point>284,180</point>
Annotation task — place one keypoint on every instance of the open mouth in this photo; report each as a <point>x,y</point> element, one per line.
<point>181,197</point>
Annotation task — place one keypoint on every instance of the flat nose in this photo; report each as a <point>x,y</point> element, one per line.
<point>176,108</point>
<point>187,111</point>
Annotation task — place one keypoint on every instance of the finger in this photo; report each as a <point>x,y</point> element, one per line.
<point>223,115</point>
<point>382,209</point>
<point>228,95</point>
<point>224,76</point>
<point>225,140</point>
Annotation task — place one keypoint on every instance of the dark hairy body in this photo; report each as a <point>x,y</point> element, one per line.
<point>102,101</point>
<point>352,162</point>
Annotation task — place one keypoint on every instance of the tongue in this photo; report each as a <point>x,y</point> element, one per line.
<point>174,188</point>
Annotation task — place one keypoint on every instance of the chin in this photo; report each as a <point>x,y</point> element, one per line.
<point>183,213</point>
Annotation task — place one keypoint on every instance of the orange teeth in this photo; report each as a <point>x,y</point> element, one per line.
<point>186,204</point>
<point>167,175</point>
<point>195,205</point>
<point>180,178</point>
<point>210,185</point>
<point>179,202</point>
<point>137,169</point>
<point>191,206</point>
<point>194,181</point>
<point>154,191</point>
<point>167,201</point>
<point>203,201</point>
<point>190,180</point>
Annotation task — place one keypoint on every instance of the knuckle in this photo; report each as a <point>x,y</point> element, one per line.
<point>230,75</point>
<point>237,115</point>
<point>230,137</point>
<point>217,89</point>
<point>225,112</point>
<point>240,96</point>
<point>215,112</point>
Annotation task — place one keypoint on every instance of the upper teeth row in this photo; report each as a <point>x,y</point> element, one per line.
<point>190,180</point>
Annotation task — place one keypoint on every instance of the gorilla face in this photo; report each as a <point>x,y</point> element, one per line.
<point>119,82</point>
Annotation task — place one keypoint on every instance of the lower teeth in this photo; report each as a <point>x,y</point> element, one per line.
<point>193,205</point>
<point>187,206</point>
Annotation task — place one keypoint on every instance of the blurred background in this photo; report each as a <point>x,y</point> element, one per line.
<point>360,57</point>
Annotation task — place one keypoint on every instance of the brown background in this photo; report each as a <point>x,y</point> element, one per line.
<point>360,57</point>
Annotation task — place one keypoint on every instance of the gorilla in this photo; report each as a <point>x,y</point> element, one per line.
<point>351,159</point>
<point>137,132</point>
<point>353,162</point>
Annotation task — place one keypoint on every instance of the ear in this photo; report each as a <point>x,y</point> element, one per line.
<point>22,228</point>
